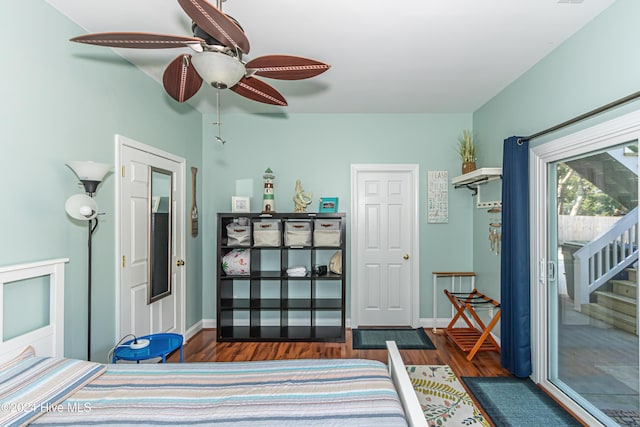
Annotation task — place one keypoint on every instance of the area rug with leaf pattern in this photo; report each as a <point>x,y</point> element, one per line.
<point>443,398</point>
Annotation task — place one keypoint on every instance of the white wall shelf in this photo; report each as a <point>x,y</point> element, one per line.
<point>474,179</point>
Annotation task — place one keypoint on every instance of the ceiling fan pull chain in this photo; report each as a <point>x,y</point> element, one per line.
<point>218,122</point>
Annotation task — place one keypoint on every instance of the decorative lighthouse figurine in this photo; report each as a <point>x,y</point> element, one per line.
<point>268,202</point>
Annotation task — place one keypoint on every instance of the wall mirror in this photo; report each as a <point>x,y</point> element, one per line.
<point>159,245</point>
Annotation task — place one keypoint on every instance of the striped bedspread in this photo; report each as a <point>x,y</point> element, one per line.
<point>339,392</point>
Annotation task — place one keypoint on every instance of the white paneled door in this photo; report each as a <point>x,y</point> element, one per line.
<point>136,315</point>
<point>384,245</point>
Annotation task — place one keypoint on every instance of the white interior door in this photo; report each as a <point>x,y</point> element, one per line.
<point>136,315</point>
<point>384,245</point>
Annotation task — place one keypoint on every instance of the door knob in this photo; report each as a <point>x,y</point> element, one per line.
<point>406,256</point>
<point>180,263</point>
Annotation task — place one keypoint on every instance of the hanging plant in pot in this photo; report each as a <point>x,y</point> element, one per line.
<point>467,151</point>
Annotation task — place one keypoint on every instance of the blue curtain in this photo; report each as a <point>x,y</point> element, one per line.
<point>515,338</point>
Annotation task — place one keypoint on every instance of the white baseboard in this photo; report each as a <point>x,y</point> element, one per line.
<point>441,322</point>
<point>198,326</point>
<point>193,329</point>
<point>208,323</point>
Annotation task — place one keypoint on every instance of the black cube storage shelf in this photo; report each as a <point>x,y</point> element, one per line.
<point>269,305</point>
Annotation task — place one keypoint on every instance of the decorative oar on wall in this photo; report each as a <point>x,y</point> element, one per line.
<point>194,205</point>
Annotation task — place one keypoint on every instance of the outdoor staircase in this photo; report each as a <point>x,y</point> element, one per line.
<point>602,283</point>
<point>616,303</point>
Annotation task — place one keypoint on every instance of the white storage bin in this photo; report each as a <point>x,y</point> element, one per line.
<point>267,233</point>
<point>326,232</point>
<point>238,235</point>
<point>237,262</point>
<point>297,233</point>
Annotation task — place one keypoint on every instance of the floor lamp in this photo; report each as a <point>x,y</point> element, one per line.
<point>83,207</point>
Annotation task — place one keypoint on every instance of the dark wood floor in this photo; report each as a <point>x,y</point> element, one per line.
<point>203,348</point>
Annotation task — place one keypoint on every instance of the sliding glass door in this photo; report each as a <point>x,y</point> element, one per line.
<point>589,260</point>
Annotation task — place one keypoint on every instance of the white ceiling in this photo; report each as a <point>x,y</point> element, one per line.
<point>402,56</point>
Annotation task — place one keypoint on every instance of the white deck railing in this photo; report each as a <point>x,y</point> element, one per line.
<point>604,257</point>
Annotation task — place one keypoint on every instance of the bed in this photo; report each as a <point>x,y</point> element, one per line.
<point>39,386</point>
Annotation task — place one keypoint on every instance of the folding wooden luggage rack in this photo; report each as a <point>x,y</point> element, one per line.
<point>472,339</point>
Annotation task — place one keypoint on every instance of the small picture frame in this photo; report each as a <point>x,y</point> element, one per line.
<point>240,204</point>
<point>328,204</point>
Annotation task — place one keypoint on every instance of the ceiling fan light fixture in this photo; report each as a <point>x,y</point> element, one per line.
<point>218,69</point>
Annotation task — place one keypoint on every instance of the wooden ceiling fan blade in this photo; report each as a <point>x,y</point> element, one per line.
<point>216,24</point>
<point>257,90</point>
<point>286,67</point>
<point>139,40</point>
<point>180,78</point>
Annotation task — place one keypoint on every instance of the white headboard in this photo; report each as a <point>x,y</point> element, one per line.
<point>47,340</point>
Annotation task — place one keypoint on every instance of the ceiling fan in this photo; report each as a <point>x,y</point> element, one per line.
<point>218,43</point>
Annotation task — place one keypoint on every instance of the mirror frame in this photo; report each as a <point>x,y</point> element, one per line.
<point>153,204</point>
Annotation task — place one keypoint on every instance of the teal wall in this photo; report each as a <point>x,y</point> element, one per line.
<point>597,65</point>
<point>318,149</point>
<point>64,101</point>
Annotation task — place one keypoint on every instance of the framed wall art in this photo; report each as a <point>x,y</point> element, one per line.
<point>240,204</point>
<point>438,197</point>
<point>328,204</point>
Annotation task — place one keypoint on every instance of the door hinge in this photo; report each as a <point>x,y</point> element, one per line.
<point>124,261</point>
<point>123,171</point>
<point>542,271</point>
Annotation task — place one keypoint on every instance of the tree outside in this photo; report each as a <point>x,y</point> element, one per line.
<point>577,196</point>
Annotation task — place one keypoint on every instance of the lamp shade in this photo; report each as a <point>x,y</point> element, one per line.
<point>88,170</point>
<point>90,173</point>
<point>82,207</point>
<point>218,69</point>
